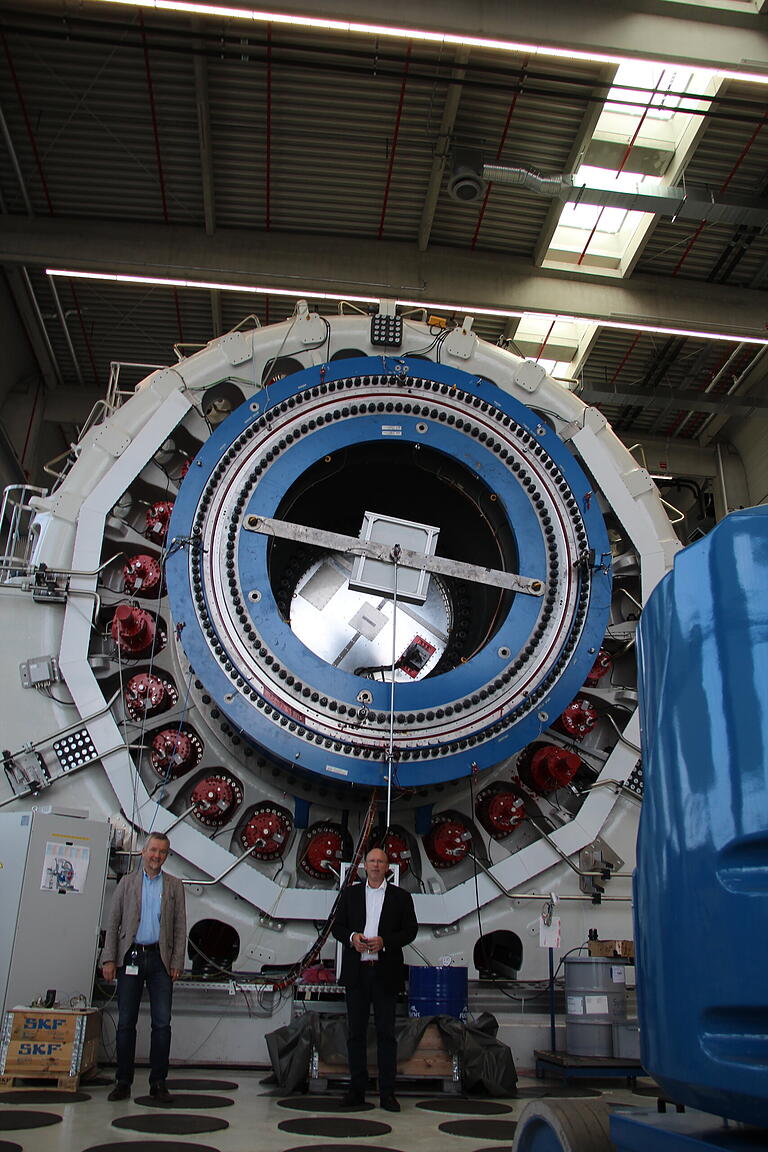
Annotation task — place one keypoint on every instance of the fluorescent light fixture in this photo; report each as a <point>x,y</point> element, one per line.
<point>429,305</point>
<point>210,285</point>
<point>622,325</point>
<point>401,33</point>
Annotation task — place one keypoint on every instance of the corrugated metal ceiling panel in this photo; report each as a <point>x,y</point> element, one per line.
<point>302,131</point>
<point>731,159</point>
<point>89,110</point>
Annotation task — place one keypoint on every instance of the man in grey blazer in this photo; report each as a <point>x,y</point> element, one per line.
<point>145,943</point>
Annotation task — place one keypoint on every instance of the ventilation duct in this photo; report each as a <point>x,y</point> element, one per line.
<point>690,204</point>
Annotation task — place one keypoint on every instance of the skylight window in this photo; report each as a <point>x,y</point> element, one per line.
<point>646,131</point>
<point>589,216</point>
<point>662,98</point>
<point>558,344</point>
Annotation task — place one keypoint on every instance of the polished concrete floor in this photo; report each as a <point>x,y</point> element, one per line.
<point>254,1118</point>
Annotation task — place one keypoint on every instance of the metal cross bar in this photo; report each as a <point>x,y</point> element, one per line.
<point>440,565</point>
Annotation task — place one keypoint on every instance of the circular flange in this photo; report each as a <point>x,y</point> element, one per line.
<point>534,512</point>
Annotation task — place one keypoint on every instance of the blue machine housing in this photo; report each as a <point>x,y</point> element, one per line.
<point>321,440</point>
<point>701,886</point>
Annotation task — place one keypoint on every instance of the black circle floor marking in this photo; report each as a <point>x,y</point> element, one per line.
<point>185,1100</point>
<point>9,1146</point>
<point>341,1148</point>
<point>480,1129</point>
<point>556,1090</point>
<point>336,1127</point>
<point>199,1085</point>
<point>465,1107</point>
<point>149,1146</point>
<point>170,1123</point>
<point>19,1118</point>
<point>322,1104</point>
<point>42,1096</point>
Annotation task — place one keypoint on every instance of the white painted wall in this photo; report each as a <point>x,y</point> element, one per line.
<point>750,439</point>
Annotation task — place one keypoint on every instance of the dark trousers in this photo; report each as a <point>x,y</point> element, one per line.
<point>152,972</point>
<point>359,1000</point>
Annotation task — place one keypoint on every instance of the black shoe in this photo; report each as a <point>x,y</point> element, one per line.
<point>352,1100</point>
<point>120,1092</point>
<point>389,1104</point>
<point>160,1092</point>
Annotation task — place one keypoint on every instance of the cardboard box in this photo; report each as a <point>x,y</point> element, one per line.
<point>39,1042</point>
<point>613,949</point>
<point>43,1024</point>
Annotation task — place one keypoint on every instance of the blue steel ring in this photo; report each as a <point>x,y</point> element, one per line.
<point>298,708</point>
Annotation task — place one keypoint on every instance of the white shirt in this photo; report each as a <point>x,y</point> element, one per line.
<point>374,902</point>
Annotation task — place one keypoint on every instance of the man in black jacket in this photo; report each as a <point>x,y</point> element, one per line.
<point>374,922</point>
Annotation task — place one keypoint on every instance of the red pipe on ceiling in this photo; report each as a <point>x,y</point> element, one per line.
<point>545,341</point>
<point>499,151</point>
<point>624,159</point>
<point>739,161</point>
<point>48,198</point>
<point>395,135</point>
<point>158,156</point>
<point>27,123</point>
<point>625,357</point>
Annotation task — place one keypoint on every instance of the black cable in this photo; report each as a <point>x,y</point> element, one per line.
<point>313,952</point>
<point>565,956</point>
<point>520,999</point>
<point>224,971</point>
<point>474,867</point>
<point>105,1015</point>
<point>304,348</point>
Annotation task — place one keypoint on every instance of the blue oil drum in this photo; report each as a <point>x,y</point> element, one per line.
<point>438,992</point>
<point>701,884</point>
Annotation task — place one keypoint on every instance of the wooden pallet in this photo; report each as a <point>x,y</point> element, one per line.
<point>54,1080</point>
<point>431,1064</point>
<point>418,1085</point>
<point>565,1066</point>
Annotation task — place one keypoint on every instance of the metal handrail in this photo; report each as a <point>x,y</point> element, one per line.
<point>17,511</point>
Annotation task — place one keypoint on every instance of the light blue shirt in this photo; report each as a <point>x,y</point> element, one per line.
<point>148,931</point>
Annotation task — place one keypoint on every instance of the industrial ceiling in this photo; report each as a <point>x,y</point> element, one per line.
<point>471,169</point>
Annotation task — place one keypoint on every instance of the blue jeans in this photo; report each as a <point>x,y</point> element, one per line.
<point>152,972</point>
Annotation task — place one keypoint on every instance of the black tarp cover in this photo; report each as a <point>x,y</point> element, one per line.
<point>486,1064</point>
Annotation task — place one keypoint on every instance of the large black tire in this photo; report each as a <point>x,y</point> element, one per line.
<point>578,1126</point>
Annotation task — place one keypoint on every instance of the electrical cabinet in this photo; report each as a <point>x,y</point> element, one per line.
<point>53,867</point>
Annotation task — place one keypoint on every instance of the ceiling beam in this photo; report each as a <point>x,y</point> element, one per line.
<point>689,401</point>
<point>443,146</point>
<point>202,104</point>
<point>576,158</point>
<point>457,278</point>
<point>752,378</point>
